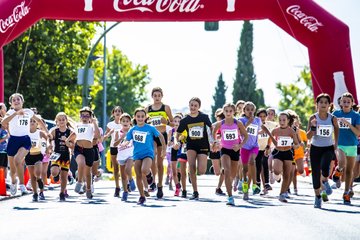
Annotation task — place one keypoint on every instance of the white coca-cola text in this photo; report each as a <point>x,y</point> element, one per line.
<point>309,22</point>
<point>18,13</point>
<point>187,6</point>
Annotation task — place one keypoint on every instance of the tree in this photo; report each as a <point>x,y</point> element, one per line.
<point>219,96</point>
<point>298,96</point>
<point>245,80</point>
<point>54,51</point>
<point>125,84</point>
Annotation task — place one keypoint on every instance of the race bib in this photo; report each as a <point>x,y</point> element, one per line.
<point>263,136</point>
<point>252,130</point>
<point>139,136</point>
<point>82,129</point>
<point>229,135</point>
<point>54,156</point>
<point>343,125</point>
<point>23,121</point>
<point>155,121</point>
<point>285,142</point>
<point>183,149</point>
<point>196,132</point>
<point>34,143</point>
<point>324,130</point>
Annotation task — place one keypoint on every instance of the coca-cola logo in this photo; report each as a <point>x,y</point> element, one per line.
<point>18,13</point>
<point>309,22</point>
<point>182,6</point>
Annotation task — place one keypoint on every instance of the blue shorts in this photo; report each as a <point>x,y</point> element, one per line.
<point>15,143</point>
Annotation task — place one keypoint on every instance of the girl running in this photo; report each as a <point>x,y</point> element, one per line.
<point>143,135</point>
<point>250,149</point>
<point>159,115</point>
<point>17,120</point>
<point>285,140</point>
<point>239,174</point>
<point>111,128</point>
<point>125,156</point>
<point>85,132</point>
<point>349,123</point>
<point>322,125</point>
<point>231,143</point>
<point>198,127</point>
<point>60,158</point>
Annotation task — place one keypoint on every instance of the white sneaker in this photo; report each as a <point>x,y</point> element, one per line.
<point>28,185</point>
<point>78,187</point>
<point>13,188</point>
<point>272,178</point>
<point>23,189</point>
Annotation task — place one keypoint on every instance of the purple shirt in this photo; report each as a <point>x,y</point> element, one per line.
<point>252,131</point>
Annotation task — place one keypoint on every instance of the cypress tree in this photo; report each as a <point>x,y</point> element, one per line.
<point>219,96</point>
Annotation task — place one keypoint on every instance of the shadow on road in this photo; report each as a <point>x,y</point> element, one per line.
<point>340,211</point>
<point>25,208</point>
<point>95,201</point>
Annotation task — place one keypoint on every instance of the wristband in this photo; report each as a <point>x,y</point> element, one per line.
<point>313,128</point>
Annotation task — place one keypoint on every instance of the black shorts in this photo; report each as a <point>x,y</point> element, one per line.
<point>88,153</point>
<point>31,160</point>
<point>198,150</point>
<point>96,153</point>
<point>157,139</point>
<point>283,155</point>
<point>3,160</point>
<point>234,156</point>
<point>214,155</point>
<point>113,151</point>
<point>174,155</point>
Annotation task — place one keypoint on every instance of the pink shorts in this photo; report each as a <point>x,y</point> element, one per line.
<point>46,158</point>
<point>245,154</point>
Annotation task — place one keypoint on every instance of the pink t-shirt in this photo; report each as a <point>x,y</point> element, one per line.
<point>230,134</point>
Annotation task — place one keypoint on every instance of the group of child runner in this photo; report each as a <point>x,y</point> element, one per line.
<point>249,149</point>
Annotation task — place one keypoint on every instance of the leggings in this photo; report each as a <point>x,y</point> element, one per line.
<point>320,158</point>
<point>262,163</point>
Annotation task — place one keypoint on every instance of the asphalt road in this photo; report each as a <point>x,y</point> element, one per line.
<point>106,217</point>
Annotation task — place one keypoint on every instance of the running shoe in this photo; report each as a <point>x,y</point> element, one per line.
<point>246,196</point>
<point>128,187</point>
<point>141,201</point>
<point>189,178</point>
<point>167,180</point>
<point>28,185</point>
<point>219,192</point>
<point>23,190</point>
<point>282,198</point>
<point>317,203</point>
<point>152,187</point>
<point>124,196</point>
<point>177,190</point>
<point>89,194</point>
<point>336,177</point>
<point>41,196</point>
<point>159,193</point>
<point>346,198</point>
<point>146,193</point>
<point>236,182</point>
<point>351,192</point>
<point>240,186</point>
<point>327,188</point>
<point>184,194</point>
<point>230,201</point>
<point>268,187</point>
<point>62,197</point>
<point>78,187</point>
<point>324,196</point>
<point>40,184</point>
<point>57,178</point>
<point>264,192</point>
<point>66,193</point>
<point>35,197</point>
<point>277,178</point>
<point>132,185</point>
<point>195,196</point>
<point>286,194</point>
<point>272,178</point>
<point>150,178</point>
<point>117,192</point>
<point>13,189</point>
<point>245,187</point>
<point>256,189</point>
<point>171,187</point>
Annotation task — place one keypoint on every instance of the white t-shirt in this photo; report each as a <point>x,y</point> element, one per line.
<point>117,127</point>
<point>85,131</point>
<point>20,125</point>
<point>35,141</point>
<point>125,152</point>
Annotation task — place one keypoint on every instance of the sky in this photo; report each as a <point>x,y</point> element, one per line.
<point>186,61</point>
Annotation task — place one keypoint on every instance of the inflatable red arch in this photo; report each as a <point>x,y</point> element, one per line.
<point>326,37</point>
